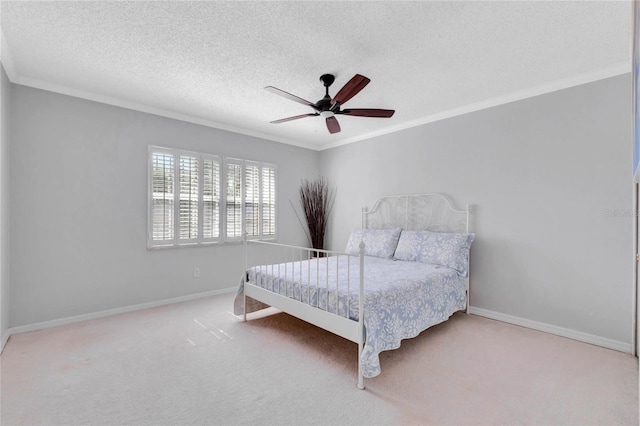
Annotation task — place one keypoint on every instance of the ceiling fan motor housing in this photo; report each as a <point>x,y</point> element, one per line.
<point>325,104</point>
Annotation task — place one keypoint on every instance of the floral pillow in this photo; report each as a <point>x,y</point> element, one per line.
<point>377,242</point>
<point>440,248</point>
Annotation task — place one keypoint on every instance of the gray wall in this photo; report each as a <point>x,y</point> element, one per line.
<point>5,95</point>
<point>542,174</point>
<point>79,207</point>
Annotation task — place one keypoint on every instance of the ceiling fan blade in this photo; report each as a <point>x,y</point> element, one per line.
<point>290,96</point>
<point>295,117</point>
<point>368,112</point>
<point>333,125</point>
<point>349,90</point>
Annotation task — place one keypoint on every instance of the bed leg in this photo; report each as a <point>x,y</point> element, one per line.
<point>245,256</point>
<point>244,302</point>
<point>360,376</point>
<point>361,339</point>
<point>466,309</point>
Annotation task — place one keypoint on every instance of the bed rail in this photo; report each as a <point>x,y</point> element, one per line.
<point>317,286</point>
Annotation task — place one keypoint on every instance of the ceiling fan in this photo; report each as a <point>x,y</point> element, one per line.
<point>328,107</point>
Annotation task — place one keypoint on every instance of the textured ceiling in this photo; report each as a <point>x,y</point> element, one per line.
<point>209,62</point>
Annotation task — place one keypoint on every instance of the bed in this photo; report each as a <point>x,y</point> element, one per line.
<point>406,270</point>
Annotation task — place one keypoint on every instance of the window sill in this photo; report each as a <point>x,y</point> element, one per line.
<point>206,244</point>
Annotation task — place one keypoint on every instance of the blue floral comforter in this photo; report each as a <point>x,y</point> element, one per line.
<point>402,298</point>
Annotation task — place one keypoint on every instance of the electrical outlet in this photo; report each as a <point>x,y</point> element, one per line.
<point>196,272</point>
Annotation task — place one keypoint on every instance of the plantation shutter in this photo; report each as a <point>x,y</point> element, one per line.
<point>268,201</point>
<point>188,198</point>
<point>252,199</point>
<point>210,198</point>
<point>162,196</point>
<point>233,205</point>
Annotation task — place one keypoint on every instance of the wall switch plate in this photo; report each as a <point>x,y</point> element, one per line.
<point>196,272</point>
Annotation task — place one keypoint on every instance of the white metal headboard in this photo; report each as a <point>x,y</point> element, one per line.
<point>420,212</point>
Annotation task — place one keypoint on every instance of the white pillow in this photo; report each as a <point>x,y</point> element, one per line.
<point>377,242</point>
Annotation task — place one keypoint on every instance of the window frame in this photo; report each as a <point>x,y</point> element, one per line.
<point>222,231</point>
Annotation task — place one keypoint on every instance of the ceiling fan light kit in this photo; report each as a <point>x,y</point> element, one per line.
<point>328,107</point>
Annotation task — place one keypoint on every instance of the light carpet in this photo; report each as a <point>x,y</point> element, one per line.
<point>196,363</point>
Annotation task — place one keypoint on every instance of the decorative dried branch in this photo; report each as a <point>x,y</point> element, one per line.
<point>317,201</point>
<point>304,228</point>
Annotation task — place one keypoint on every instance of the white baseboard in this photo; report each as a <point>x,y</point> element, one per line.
<point>523,322</point>
<point>552,329</point>
<point>115,311</point>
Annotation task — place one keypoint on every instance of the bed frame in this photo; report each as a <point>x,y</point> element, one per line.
<point>432,212</point>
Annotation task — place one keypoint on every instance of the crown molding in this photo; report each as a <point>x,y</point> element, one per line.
<point>601,74</point>
<point>554,86</point>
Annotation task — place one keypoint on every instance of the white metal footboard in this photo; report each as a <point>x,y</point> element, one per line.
<point>330,283</point>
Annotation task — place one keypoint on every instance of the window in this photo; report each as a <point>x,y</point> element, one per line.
<point>197,198</point>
